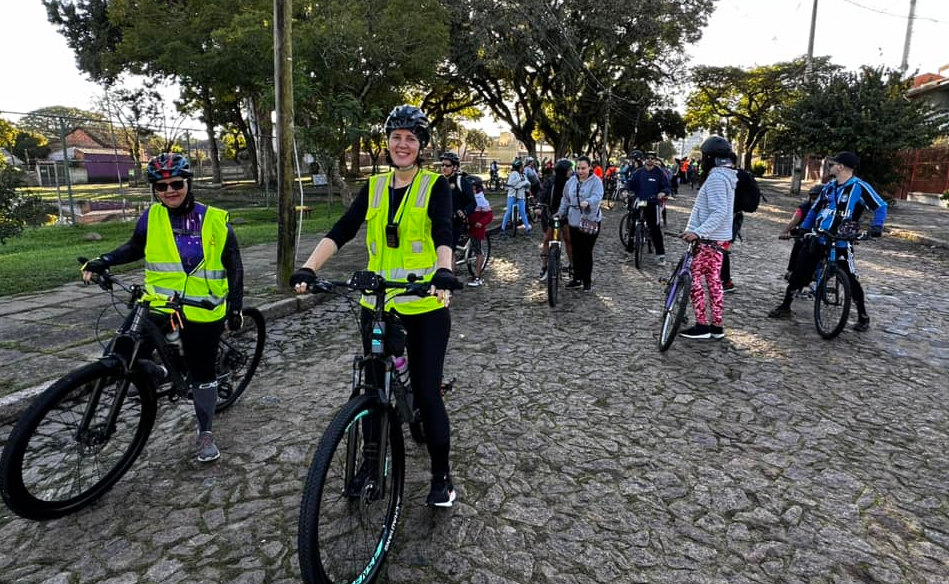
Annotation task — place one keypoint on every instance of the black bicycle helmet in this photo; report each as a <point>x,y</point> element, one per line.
<point>409,117</point>
<point>167,165</point>
<point>716,147</point>
<point>451,157</point>
<point>517,163</point>
<point>636,154</point>
<point>477,183</point>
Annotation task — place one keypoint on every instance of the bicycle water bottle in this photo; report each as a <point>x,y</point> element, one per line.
<point>403,388</point>
<point>377,339</point>
<point>173,338</point>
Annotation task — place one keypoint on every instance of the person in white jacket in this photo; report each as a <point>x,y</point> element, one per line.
<point>517,185</point>
<point>711,220</point>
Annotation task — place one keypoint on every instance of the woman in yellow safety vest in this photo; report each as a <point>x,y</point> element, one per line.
<point>408,217</point>
<point>189,248</point>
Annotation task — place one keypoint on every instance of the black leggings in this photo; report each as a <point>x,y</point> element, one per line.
<point>582,244</point>
<point>199,340</point>
<point>426,343</point>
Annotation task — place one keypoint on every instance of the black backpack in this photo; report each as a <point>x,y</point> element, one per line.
<point>747,194</point>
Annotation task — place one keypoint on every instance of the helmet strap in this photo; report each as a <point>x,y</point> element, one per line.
<point>405,168</point>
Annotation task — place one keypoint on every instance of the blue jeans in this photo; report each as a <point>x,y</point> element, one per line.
<point>522,204</point>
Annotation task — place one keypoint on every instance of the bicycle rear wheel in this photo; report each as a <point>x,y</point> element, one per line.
<point>238,355</point>
<point>639,241</point>
<point>673,312</point>
<point>625,230</point>
<point>553,275</point>
<point>832,303</point>
<point>471,260</point>
<point>348,515</point>
<point>54,462</point>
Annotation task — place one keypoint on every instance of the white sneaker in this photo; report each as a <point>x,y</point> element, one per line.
<point>475,283</point>
<point>661,261</point>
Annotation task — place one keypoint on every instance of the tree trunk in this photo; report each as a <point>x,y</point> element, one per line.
<point>208,118</point>
<point>354,165</point>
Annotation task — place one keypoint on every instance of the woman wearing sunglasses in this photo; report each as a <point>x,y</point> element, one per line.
<point>189,248</point>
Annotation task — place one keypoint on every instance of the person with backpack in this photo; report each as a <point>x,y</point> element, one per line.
<point>747,199</point>
<point>711,220</point>
<point>462,194</point>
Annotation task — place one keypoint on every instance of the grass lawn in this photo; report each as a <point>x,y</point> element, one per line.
<point>44,257</point>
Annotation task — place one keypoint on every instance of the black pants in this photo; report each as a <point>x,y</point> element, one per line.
<point>582,244</point>
<point>737,221</point>
<point>803,273</point>
<point>652,211</point>
<point>199,341</point>
<point>795,252</point>
<point>426,342</point>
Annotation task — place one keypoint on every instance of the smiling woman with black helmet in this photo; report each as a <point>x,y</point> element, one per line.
<point>416,205</point>
<point>191,249</point>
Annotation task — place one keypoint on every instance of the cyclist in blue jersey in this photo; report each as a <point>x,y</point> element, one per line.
<point>841,201</point>
<point>648,184</point>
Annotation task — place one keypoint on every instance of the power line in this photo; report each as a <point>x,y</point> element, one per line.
<point>900,16</point>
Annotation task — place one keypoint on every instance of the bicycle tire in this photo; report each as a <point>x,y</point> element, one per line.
<point>832,298</point>
<point>674,312</point>
<point>329,503</point>
<point>553,275</point>
<point>471,259</point>
<point>638,243</point>
<point>625,228</point>
<point>35,447</point>
<point>239,354</point>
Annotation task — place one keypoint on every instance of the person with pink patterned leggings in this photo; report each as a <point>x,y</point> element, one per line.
<point>711,220</point>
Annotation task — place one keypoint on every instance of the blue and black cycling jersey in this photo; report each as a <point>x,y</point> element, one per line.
<point>839,203</point>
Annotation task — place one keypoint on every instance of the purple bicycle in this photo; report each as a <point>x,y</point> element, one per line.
<point>678,287</point>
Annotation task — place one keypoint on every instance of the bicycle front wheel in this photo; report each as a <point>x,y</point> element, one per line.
<point>832,303</point>
<point>673,312</point>
<point>238,355</point>
<point>67,450</point>
<point>625,229</point>
<point>639,241</point>
<point>553,275</point>
<point>349,514</point>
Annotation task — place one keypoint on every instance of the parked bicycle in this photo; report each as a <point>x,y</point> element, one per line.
<point>352,499</point>
<point>678,287</point>
<point>831,285</point>
<point>633,230</point>
<point>82,434</point>
<point>466,254</point>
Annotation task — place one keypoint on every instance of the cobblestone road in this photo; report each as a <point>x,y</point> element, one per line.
<point>580,453</point>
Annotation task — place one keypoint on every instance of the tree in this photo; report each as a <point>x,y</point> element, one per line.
<point>8,134</point>
<point>16,209</point>
<point>865,112</point>
<point>89,33</point>
<point>747,101</point>
<point>45,121</point>
<point>30,146</point>
<point>478,140</point>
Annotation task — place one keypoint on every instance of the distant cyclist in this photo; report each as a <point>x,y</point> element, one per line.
<point>840,202</point>
<point>648,184</point>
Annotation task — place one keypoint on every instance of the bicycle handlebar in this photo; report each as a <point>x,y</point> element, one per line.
<point>372,283</point>
<point>859,236</point>
<point>106,280</point>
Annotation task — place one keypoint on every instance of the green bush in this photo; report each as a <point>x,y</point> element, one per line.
<point>758,168</point>
<point>17,209</point>
<point>945,197</point>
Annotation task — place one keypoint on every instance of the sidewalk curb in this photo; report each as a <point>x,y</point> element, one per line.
<point>14,404</point>
<point>917,237</point>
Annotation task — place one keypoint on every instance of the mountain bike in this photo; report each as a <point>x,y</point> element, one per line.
<point>466,253</point>
<point>678,287</point>
<point>352,498</point>
<point>831,285</point>
<point>633,230</point>
<point>554,267</point>
<point>82,434</point>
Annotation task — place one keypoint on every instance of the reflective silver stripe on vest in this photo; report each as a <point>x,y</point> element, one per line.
<point>213,274</point>
<point>216,301</point>
<point>372,247</point>
<point>417,247</point>
<point>422,190</point>
<point>163,267</point>
<point>403,273</point>
<point>377,193</point>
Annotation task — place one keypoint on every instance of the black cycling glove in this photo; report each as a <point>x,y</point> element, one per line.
<point>444,279</point>
<point>876,231</point>
<point>98,265</point>
<point>303,276</point>
<point>235,320</point>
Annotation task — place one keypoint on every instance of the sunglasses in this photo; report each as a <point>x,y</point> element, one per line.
<point>175,185</point>
<point>447,164</point>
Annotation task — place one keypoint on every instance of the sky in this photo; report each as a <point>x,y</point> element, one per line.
<point>39,70</point>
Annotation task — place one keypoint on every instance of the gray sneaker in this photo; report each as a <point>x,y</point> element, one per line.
<point>206,448</point>
<point>661,261</point>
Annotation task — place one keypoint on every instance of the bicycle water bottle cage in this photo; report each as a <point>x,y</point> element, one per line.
<point>365,280</point>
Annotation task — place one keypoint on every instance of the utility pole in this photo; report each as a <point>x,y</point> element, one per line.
<point>283,78</point>
<point>797,170</point>
<point>62,138</point>
<point>904,65</point>
<point>606,127</point>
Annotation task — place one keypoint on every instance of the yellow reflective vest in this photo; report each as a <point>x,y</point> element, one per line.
<point>164,274</point>
<point>416,252</point>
